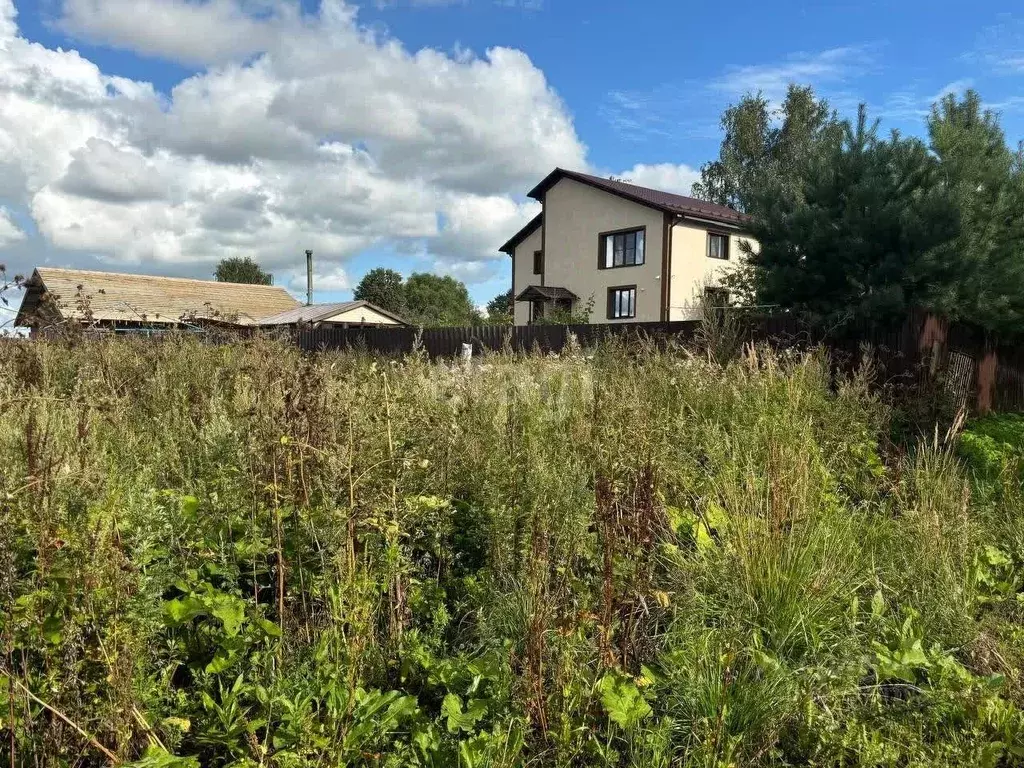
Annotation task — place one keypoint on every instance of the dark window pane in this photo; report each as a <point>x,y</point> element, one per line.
<point>718,246</point>
<point>621,303</point>
<point>623,249</point>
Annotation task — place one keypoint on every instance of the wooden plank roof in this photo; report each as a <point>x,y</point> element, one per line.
<point>118,297</point>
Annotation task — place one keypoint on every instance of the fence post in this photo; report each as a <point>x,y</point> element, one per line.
<point>933,341</point>
<point>987,380</point>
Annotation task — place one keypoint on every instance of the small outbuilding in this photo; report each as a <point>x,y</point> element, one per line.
<point>345,314</point>
<point>113,301</point>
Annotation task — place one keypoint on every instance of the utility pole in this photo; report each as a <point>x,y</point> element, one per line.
<point>309,278</point>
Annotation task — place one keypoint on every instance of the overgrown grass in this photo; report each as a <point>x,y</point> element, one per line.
<point>238,555</point>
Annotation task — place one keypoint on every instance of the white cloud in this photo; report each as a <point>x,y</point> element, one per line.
<point>833,65</point>
<point>311,132</point>
<point>8,19</point>
<point>470,222</point>
<point>666,113</point>
<point>664,176</point>
<point>191,32</point>
<point>334,279</point>
<point>686,109</point>
<point>526,5</point>
<point>1000,47</point>
<point>10,232</point>
<point>913,104</point>
<point>103,172</point>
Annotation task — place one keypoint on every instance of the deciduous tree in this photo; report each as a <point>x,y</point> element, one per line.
<point>500,308</point>
<point>242,269</point>
<point>765,146</point>
<point>438,301</point>
<point>385,288</point>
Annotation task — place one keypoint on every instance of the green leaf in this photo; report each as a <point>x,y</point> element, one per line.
<point>914,656</point>
<point>269,628</point>
<point>180,611</point>
<point>877,604</point>
<point>231,611</point>
<point>222,659</point>
<point>189,506</point>
<point>155,757</point>
<point>996,556</point>
<point>52,627</point>
<point>621,699</point>
<point>459,720</point>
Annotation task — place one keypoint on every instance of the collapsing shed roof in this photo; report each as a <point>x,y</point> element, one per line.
<point>116,297</point>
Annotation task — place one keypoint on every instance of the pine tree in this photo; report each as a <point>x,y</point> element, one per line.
<point>867,233</point>
<point>987,182</point>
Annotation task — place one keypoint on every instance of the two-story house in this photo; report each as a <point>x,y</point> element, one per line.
<point>635,254</point>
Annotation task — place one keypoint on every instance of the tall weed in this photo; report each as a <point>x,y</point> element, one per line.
<point>243,555</point>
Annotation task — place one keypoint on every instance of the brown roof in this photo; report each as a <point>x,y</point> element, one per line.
<point>664,201</point>
<point>545,292</point>
<point>117,297</point>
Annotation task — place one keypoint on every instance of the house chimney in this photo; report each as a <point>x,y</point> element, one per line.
<point>309,278</point>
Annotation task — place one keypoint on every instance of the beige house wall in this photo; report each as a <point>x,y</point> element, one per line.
<point>574,216</point>
<point>361,315</point>
<point>692,270</point>
<point>522,275</point>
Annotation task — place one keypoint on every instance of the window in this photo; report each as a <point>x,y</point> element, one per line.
<point>622,302</point>
<point>622,249</point>
<point>716,297</point>
<point>718,246</point>
<point>538,262</point>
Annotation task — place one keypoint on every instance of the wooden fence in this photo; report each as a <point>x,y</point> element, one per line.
<point>975,369</point>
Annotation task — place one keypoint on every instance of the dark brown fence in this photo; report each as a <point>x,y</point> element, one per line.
<point>447,342</point>
<point>972,367</point>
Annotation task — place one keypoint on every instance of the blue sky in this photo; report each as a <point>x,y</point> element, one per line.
<point>160,135</point>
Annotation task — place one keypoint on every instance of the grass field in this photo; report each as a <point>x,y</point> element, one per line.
<point>238,555</point>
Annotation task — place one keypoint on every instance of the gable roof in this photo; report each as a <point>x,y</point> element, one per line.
<point>314,313</point>
<point>551,292</point>
<point>654,198</point>
<point>118,297</point>
<point>522,234</point>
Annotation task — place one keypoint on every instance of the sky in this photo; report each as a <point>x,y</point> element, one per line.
<point>160,136</point>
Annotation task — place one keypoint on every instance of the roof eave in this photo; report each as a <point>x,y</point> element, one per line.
<point>34,289</point>
<point>379,310</point>
<point>385,312</point>
<point>514,242</point>
<point>538,193</point>
<point>738,225</point>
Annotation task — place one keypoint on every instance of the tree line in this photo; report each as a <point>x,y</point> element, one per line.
<point>422,299</point>
<point>854,225</point>
<point>429,300</point>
